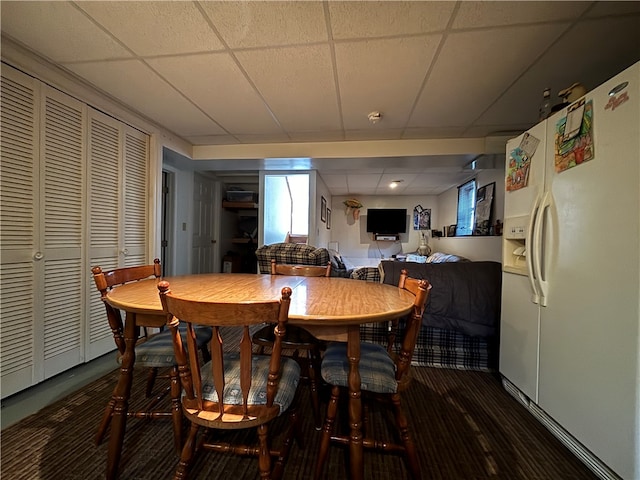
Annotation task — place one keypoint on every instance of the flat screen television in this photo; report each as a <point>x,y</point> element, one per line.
<point>387,220</point>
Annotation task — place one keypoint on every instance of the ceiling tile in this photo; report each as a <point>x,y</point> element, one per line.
<point>363,182</point>
<point>340,191</point>
<point>264,72</point>
<point>184,29</point>
<point>614,8</point>
<point>382,75</point>
<point>247,24</point>
<point>43,26</point>
<point>138,87</point>
<point>302,92</point>
<point>333,181</point>
<point>594,36</point>
<point>381,19</point>
<point>491,14</point>
<point>457,93</point>
<point>216,84</point>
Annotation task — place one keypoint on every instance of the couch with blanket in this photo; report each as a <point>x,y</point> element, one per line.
<point>301,254</point>
<point>291,253</point>
<point>461,323</point>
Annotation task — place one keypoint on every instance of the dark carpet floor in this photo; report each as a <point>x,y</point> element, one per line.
<point>464,423</point>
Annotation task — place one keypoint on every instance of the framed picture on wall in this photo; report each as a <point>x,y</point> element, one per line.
<point>323,209</point>
<point>421,218</point>
<point>328,219</point>
<point>484,209</point>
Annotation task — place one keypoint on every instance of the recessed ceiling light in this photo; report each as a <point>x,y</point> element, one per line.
<point>395,183</point>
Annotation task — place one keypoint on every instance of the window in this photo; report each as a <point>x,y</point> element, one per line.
<point>286,206</point>
<point>466,208</point>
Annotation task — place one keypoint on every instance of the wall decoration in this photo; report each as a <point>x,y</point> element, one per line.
<point>574,136</point>
<point>451,231</point>
<point>328,219</point>
<point>421,218</point>
<point>353,206</point>
<point>323,209</point>
<point>519,163</point>
<point>484,207</point>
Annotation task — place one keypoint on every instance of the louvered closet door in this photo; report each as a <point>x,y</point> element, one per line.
<point>42,213</point>
<point>118,237</point>
<point>18,186</point>
<point>136,211</point>
<point>105,149</point>
<point>60,273</point>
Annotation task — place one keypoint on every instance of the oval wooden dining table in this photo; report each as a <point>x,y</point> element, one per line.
<point>331,308</point>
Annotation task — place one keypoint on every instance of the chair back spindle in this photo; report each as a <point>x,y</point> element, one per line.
<point>266,384</point>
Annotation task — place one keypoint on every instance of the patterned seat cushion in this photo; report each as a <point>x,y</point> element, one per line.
<point>292,254</point>
<point>158,350</point>
<point>377,370</point>
<point>289,379</point>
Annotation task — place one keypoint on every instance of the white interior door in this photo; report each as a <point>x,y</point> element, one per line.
<point>204,254</point>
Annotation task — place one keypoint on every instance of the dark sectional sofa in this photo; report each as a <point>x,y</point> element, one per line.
<point>461,322</point>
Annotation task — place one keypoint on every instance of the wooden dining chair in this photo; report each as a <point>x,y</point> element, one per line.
<point>384,376</point>
<point>297,338</point>
<point>154,352</point>
<point>237,389</point>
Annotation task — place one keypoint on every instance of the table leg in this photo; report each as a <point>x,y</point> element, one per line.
<point>121,396</point>
<point>356,463</point>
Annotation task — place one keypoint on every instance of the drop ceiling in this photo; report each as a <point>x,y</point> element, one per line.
<point>256,77</point>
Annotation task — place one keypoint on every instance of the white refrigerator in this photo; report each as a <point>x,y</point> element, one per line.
<point>570,326</point>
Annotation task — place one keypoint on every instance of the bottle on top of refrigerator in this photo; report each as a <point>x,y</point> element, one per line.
<point>545,105</point>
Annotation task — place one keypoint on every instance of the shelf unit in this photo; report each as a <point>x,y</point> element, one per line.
<point>239,205</point>
<point>246,246</point>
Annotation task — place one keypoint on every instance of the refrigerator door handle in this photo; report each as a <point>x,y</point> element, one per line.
<point>538,240</point>
<point>532,253</point>
<point>547,201</point>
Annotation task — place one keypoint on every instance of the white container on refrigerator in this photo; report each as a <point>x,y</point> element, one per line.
<point>584,253</point>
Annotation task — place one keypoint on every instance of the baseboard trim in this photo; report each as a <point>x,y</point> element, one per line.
<point>578,449</point>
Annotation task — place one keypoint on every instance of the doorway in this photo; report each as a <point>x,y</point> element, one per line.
<point>204,254</point>
<point>166,241</point>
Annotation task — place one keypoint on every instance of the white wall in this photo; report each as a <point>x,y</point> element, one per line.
<point>355,243</point>
<point>322,234</point>
<point>180,255</point>
<point>352,237</point>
